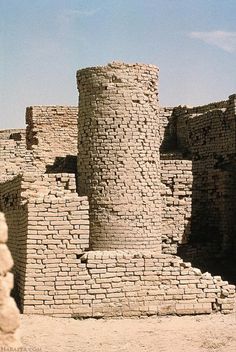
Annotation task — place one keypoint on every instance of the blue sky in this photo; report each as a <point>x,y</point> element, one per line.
<point>44,42</point>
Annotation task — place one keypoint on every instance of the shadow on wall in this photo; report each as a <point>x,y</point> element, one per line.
<point>211,246</point>
<point>67,164</point>
<point>206,135</point>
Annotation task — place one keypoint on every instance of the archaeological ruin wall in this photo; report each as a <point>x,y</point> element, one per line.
<point>59,276</point>
<point>48,225</point>
<point>176,195</point>
<point>51,135</point>
<point>9,314</point>
<point>101,239</point>
<point>14,157</point>
<point>118,160</point>
<point>207,135</point>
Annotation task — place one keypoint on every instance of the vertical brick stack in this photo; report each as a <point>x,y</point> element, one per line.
<point>118,160</point>
<point>9,315</point>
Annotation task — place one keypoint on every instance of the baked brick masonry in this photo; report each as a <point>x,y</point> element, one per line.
<point>118,162</point>
<point>109,228</point>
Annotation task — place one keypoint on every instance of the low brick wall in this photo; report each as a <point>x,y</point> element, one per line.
<point>48,226</point>
<point>9,315</point>
<point>122,283</point>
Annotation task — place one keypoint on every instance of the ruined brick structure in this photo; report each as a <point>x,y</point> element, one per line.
<point>51,135</point>
<point>9,314</point>
<point>96,230</point>
<point>118,160</point>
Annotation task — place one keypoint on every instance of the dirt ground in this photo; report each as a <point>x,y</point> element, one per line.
<point>159,334</point>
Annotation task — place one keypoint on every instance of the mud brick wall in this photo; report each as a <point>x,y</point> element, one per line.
<point>9,314</point>
<point>128,199</point>
<point>183,114</point>
<point>51,134</point>
<point>207,133</point>
<point>15,133</point>
<point>57,185</point>
<point>118,160</point>
<point>14,158</point>
<point>176,178</point>
<point>48,225</point>
<point>122,283</point>
<point>58,233</point>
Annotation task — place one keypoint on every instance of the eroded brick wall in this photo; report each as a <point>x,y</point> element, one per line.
<point>49,143</point>
<point>207,134</point>
<point>118,155</point>
<point>15,133</point>
<point>14,158</point>
<point>61,279</point>
<point>126,283</point>
<point>121,132</point>
<point>51,134</point>
<point>9,315</point>
<point>48,227</point>
<point>176,192</point>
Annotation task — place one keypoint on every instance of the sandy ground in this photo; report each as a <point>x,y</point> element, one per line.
<point>159,334</point>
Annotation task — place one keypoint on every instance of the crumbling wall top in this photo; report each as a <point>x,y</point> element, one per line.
<point>15,133</point>
<point>51,133</point>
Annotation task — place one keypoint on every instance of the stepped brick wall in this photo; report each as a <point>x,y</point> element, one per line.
<point>119,283</point>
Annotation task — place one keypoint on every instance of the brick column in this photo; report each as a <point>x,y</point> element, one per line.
<point>118,158</point>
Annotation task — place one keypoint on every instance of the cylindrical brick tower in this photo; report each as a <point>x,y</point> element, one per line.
<point>118,158</point>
